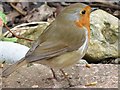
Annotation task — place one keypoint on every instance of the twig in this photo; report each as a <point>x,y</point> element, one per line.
<point>106,5</point>
<point>16,35</point>
<point>18,10</point>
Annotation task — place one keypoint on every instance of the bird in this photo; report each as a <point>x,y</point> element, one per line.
<point>62,43</point>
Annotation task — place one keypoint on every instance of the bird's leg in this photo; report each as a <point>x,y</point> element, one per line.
<point>65,76</point>
<point>54,76</point>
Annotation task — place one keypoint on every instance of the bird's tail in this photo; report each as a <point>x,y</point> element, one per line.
<point>7,71</point>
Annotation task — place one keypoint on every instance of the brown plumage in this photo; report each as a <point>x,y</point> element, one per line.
<point>62,43</point>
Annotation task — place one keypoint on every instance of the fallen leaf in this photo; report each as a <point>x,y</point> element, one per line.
<point>91,84</point>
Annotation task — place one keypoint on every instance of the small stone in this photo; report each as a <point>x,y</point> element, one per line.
<point>116,13</point>
<point>35,86</point>
<point>82,61</point>
<point>88,65</point>
<point>117,61</point>
<point>1,65</point>
<point>66,74</point>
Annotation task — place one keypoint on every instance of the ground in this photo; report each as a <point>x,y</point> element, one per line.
<point>38,76</point>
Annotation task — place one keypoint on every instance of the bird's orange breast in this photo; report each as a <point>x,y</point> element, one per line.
<point>84,20</point>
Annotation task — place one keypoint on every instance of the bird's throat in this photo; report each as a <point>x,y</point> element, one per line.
<point>84,22</point>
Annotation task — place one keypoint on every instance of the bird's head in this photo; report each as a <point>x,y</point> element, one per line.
<point>77,14</point>
<point>84,19</point>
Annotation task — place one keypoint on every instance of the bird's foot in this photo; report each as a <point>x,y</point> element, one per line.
<point>54,76</point>
<point>66,77</point>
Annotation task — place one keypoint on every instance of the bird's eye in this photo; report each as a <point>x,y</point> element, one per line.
<point>83,12</point>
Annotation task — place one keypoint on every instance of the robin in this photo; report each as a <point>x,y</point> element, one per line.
<point>63,42</point>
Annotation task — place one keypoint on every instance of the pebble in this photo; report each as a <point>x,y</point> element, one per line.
<point>35,86</point>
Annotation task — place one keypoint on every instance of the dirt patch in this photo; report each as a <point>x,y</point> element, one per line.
<point>37,76</point>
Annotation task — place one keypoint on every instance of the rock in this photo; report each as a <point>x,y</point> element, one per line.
<point>116,13</point>
<point>12,52</point>
<point>82,61</point>
<point>104,37</point>
<point>117,61</point>
<point>35,86</point>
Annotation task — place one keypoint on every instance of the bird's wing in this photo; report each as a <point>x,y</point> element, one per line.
<point>55,41</point>
<point>46,50</point>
